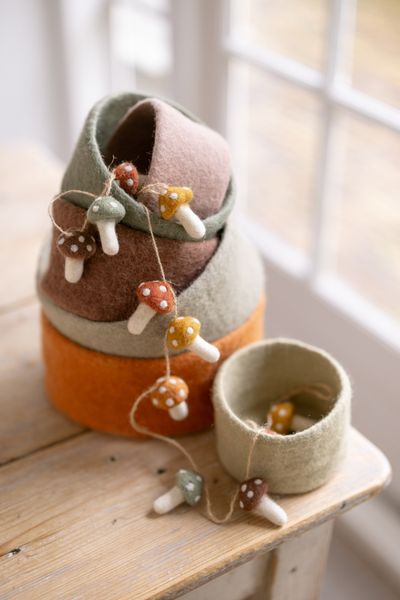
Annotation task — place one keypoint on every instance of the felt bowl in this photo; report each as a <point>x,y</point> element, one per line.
<point>254,378</point>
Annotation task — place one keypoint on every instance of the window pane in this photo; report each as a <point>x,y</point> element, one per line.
<point>365,235</point>
<point>377,50</point>
<point>295,28</point>
<point>274,127</point>
<point>141,46</point>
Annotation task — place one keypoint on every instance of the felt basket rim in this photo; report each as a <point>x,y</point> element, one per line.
<point>220,401</point>
<point>135,213</point>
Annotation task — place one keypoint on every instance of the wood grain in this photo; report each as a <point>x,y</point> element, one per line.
<point>27,420</point>
<point>79,516</point>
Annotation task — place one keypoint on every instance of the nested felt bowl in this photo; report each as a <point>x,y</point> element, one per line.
<point>253,379</point>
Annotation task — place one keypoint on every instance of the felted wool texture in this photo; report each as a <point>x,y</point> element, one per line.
<point>88,171</point>
<point>254,378</point>
<point>174,150</point>
<point>98,390</point>
<point>107,288</point>
<point>222,296</point>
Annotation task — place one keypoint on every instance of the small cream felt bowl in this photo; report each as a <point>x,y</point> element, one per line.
<point>256,377</point>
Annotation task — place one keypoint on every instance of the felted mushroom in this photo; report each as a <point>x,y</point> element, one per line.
<point>154,297</point>
<point>105,212</point>
<point>76,247</point>
<point>127,176</point>
<point>175,203</point>
<point>283,419</point>
<point>253,497</point>
<point>171,395</point>
<point>184,333</point>
<point>188,488</point>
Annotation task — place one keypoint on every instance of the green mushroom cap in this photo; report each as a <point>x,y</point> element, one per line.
<point>191,485</point>
<point>105,208</point>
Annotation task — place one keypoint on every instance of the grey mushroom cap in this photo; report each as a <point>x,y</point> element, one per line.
<point>191,485</point>
<point>105,208</point>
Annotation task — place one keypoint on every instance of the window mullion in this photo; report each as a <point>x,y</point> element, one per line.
<point>341,25</point>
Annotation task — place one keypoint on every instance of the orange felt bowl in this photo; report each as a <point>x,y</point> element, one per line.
<point>98,390</point>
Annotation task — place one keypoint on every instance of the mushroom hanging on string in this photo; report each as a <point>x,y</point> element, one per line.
<point>171,395</point>
<point>154,297</point>
<point>184,333</point>
<point>175,203</point>
<point>127,176</point>
<point>188,488</point>
<point>75,246</point>
<point>253,497</point>
<point>105,212</point>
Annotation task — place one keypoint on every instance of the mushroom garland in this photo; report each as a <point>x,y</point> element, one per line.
<point>105,212</point>
<point>282,419</point>
<point>75,246</point>
<point>175,203</point>
<point>171,395</point>
<point>188,488</point>
<point>154,297</point>
<point>253,497</point>
<point>184,334</point>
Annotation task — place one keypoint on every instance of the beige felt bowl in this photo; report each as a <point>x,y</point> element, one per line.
<point>254,378</point>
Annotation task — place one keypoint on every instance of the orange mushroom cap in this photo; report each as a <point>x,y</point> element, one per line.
<point>158,295</point>
<point>170,392</point>
<point>173,198</point>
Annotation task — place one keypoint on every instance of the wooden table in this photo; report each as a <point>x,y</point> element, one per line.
<point>75,518</point>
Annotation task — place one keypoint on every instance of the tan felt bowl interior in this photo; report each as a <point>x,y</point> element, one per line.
<point>254,378</point>
<point>98,390</point>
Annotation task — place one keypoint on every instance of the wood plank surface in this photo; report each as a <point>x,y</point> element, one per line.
<point>27,420</point>
<point>76,519</point>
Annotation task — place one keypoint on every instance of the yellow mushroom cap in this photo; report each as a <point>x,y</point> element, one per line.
<point>281,416</point>
<point>170,392</point>
<point>182,332</point>
<point>173,198</point>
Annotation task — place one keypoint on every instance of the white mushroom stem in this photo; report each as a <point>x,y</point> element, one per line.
<point>179,412</point>
<point>270,510</point>
<point>191,223</point>
<point>205,350</point>
<point>108,237</point>
<point>168,501</point>
<point>140,318</point>
<point>300,423</point>
<point>73,269</point>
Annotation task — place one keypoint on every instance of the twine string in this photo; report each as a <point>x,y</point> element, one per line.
<point>58,197</point>
<point>319,390</point>
<point>105,192</point>
<point>209,511</point>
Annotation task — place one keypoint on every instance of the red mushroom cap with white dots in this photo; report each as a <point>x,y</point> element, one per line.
<point>158,295</point>
<point>126,175</point>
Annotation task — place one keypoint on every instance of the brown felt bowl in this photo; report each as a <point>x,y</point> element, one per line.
<point>254,378</point>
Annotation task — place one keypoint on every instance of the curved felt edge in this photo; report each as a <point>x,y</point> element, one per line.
<point>222,298</point>
<point>291,464</point>
<point>98,390</point>
<point>106,290</point>
<point>87,170</point>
